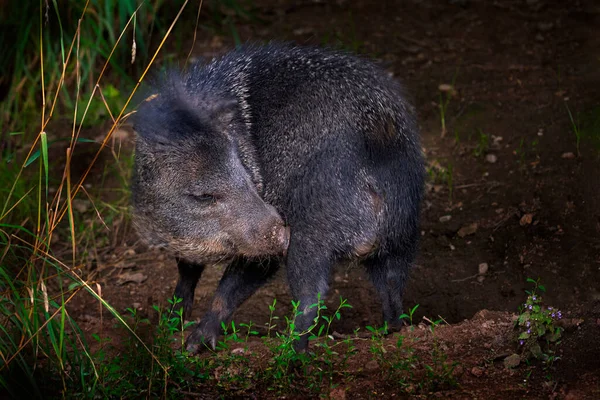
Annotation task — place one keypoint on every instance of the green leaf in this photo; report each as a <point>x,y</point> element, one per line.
<point>524,335</point>
<point>35,155</point>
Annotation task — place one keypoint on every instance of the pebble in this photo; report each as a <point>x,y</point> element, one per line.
<point>445,218</point>
<point>477,371</point>
<point>568,155</point>
<point>491,158</point>
<point>371,365</point>
<point>483,268</point>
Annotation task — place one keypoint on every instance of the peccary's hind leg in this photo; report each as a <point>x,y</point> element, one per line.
<point>189,274</point>
<point>240,280</point>
<point>389,274</point>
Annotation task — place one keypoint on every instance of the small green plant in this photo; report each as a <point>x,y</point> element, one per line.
<point>446,93</point>
<point>409,317</point>
<point>483,144</point>
<point>441,175</point>
<point>537,331</point>
<point>440,373</point>
<point>522,151</point>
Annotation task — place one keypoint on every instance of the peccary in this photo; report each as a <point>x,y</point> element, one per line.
<point>278,154</point>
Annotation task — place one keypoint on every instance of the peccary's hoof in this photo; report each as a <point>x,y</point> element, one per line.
<point>201,339</point>
<point>395,326</point>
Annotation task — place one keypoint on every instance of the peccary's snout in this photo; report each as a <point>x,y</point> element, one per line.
<point>282,238</point>
<point>279,235</point>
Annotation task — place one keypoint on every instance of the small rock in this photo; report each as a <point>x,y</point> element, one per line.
<point>526,219</point>
<point>120,134</point>
<point>458,371</point>
<point>337,394</point>
<point>512,361</point>
<point>568,155</point>
<point>371,365</point>
<point>480,278</point>
<point>137,305</point>
<point>55,238</point>
<point>81,205</point>
<point>491,158</point>
<point>570,324</point>
<point>337,278</point>
<point>136,277</point>
<point>445,87</point>
<point>239,350</point>
<point>545,26</point>
<point>483,268</point>
<point>468,230</point>
<point>303,31</point>
<point>129,253</point>
<point>445,218</point>
<point>477,371</point>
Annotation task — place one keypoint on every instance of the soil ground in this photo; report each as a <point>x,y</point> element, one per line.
<point>517,200</point>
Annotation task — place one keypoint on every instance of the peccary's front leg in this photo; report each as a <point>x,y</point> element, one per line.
<point>189,275</point>
<point>240,280</point>
<point>308,271</point>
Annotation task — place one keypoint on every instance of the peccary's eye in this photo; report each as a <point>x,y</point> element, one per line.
<point>204,198</point>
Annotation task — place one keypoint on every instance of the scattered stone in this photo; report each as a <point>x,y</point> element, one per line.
<point>545,26</point>
<point>568,155</point>
<point>137,305</point>
<point>560,93</point>
<point>569,324</point>
<point>477,371</point>
<point>239,350</point>
<point>55,238</point>
<point>526,219</point>
<point>540,132</point>
<point>337,394</point>
<point>445,218</point>
<point>468,230</point>
<point>337,278</point>
<point>135,277</point>
<point>81,205</point>
<point>129,253</point>
<point>445,87</point>
<point>491,158</point>
<point>120,135</point>
<point>483,268</point>
<point>303,31</point>
<point>512,361</point>
<point>458,371</point>
<point>371,365</point>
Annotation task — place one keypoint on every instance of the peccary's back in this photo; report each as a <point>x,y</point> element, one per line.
<point>310,110</point>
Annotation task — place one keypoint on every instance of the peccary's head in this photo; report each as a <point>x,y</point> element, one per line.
<point>192,192</point>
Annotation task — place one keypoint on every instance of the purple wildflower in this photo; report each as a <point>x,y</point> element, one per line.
<point>530,307</point>
<point>528,324</point>
<point>533,298</point>
<point>521,342</point>
<point>529,331</point>
<point>553,315</point>
<point>559,315</point>
<point>550,308</point>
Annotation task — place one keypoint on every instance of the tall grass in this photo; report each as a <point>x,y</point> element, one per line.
<point>59,47</point>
